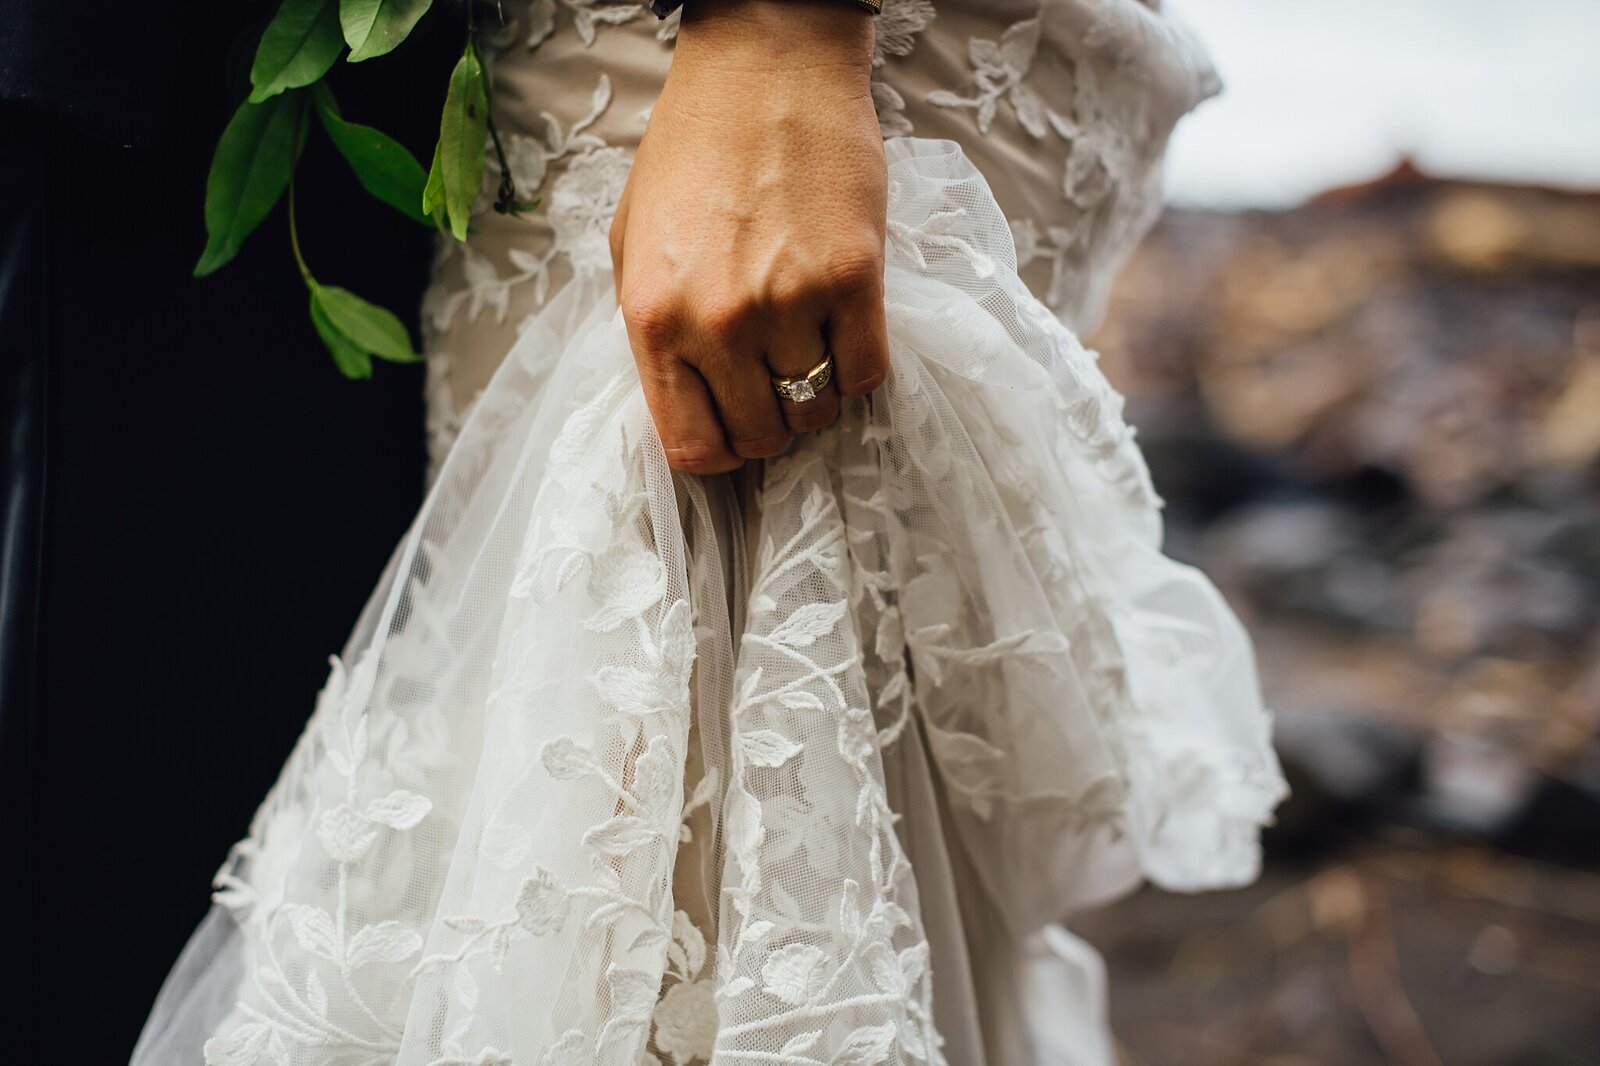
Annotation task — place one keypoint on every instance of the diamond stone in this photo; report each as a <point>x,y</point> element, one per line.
<point>801,391</point>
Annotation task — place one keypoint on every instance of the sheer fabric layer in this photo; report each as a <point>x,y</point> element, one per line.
<point>598,782</point>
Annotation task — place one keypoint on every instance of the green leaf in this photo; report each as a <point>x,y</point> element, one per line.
<point>382,164</point>
<point>352,362</point>
<point>433,191</point>
<point>463,130</point>
<point>249,171</point>
<point>373,27</point>
<point>298,46</point>
<point>365,326</point>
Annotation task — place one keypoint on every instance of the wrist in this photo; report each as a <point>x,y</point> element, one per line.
<point>831,38</point>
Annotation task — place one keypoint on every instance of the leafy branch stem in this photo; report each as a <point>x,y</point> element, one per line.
<point>294,241</point>
<point>294,229</point>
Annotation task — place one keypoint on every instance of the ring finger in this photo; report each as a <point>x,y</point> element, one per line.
<point>793,353</point>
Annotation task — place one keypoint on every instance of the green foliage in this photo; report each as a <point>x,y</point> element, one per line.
<point>252,166</point>
<point>374,27</point>
<point>463,132</point>
<point>381,163</point>
<point>298,47</point>
<point>352,362</point>
<point>355,331</point>
<point>258,152</point>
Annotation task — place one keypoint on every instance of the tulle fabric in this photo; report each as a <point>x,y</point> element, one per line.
<point>585,787</point>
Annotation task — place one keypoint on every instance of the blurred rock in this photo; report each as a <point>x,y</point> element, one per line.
<point>1376,419</point>
<point>1346,772</point>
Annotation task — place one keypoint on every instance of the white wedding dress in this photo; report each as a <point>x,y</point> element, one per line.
<point>798,766</point>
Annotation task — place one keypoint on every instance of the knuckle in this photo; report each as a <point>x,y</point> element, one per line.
<point>652,320</point>
<point>854,271</point>
<point>795,291</point>
<point>724,320</point>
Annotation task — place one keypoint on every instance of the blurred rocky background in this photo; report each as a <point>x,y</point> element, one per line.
<point>1375,418</point>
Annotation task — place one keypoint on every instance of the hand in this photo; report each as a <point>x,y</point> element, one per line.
<point>750,233</point>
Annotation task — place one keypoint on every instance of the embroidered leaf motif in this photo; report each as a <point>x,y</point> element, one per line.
<point>799,699</point>
<point>754,931</point>
<point>869,1045</point>
<point>809,622</point>
<point>346,833</point>
<point>314,930</point>
<point>657,777</point>
<point>794,973</point>
<point>633,992</point>
<point>564,760</point>
<point>400,809</point>
<point>541,903</point>
<point>884,967</point>
<point>631,691</point>
<point>620,835</point>
<point>744,825</point>
<point>766,748</point>
<point>803,1043</point>
<point>246,1046</point>
<point>386,941</point>
<point>689,942</point>
<point>316,994</point>
<point>625,582</point>
<point>571,1050</point>
<point>736,987</point>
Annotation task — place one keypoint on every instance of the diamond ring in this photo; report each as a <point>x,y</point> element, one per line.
<point>804,388</point>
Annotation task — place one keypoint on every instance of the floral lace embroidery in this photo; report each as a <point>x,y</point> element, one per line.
<point>587,17</point>
<point>895,34</point>
<point>295,999</point>
<point>999,72</point>
<point>582,204</point>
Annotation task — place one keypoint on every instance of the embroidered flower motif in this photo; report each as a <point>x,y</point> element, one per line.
<point>686,1022</point>
<point>999,71</point>
<point>587,17</point>
<point>626,582</point>
<point>530,157</point>
<point>896,27</point>
<point>582,204</point>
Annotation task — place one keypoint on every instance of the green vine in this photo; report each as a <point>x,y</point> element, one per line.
<point>256,157</point>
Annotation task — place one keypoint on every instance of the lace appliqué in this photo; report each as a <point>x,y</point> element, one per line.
<point>582,204</point>
<point>1000,69</point>
<point>895,35</point>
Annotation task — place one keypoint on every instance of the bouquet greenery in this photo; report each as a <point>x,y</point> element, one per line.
<point>254,163</point>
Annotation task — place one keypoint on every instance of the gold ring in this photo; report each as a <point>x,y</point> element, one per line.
<point>805,387</point>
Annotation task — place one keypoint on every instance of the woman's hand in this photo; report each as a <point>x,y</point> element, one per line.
<point>750,233</point>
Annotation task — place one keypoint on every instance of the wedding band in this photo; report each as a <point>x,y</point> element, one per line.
<point>805,387</point>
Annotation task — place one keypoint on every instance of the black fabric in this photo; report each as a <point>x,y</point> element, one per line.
<point>196,503</point>
<point>109,68</point>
